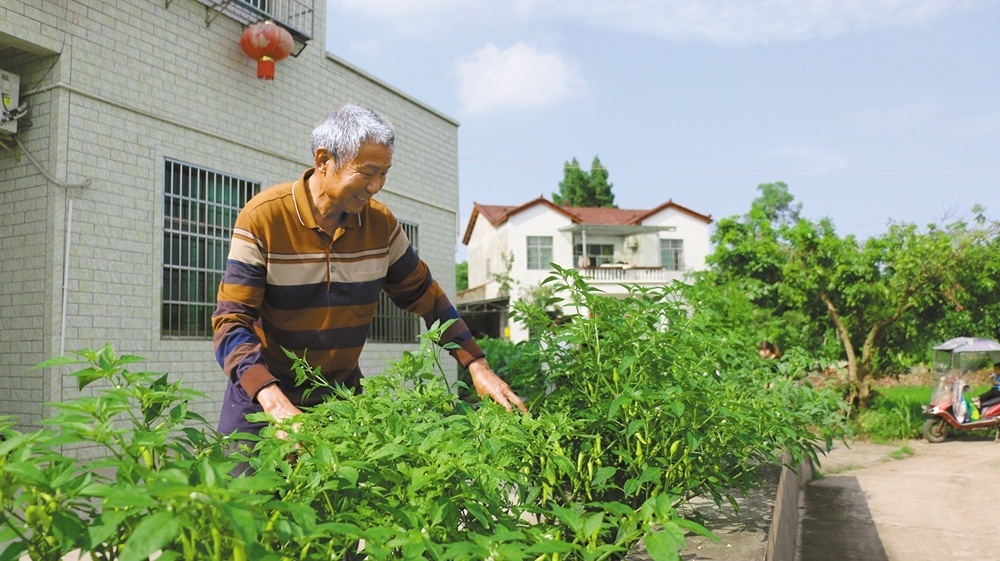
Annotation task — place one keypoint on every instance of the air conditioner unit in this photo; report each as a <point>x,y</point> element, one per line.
<point>10,84</point>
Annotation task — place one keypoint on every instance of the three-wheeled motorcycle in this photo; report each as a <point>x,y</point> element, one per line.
<point>950,407</point>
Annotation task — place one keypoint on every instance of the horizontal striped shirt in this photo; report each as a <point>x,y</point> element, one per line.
<point>288,284</point>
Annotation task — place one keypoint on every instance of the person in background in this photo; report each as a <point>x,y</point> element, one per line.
<point>768,350</point>
<point>307,262</point>
<point>992,394</point>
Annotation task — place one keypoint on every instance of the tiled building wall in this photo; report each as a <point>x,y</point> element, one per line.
<point>114,89</point>
<point>27,219</point>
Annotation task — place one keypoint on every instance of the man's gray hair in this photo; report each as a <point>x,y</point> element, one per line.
<point>344,129</point>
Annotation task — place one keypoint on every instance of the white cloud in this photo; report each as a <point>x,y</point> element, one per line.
<point>732,22</point>
<point>515,78</point>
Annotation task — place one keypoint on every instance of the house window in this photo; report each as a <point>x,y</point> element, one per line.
<point>539,252</point>
<point>672,254</point>
<point>262,5</point>
<point>199,210</point>
<point>392,325</point>
<point>597,254</point>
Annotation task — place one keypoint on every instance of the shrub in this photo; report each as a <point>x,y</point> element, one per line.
<point>640,403</point>
<point>895,414</point>
<point>668,393</point>
<point>406,468</point>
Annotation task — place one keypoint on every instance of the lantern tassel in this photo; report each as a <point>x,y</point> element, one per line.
<point>265,68</point>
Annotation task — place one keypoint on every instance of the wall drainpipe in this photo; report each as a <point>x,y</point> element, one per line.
<point>65,285</point>
<point>69,236</point>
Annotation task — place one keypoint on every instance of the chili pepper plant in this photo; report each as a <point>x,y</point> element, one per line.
<point>403,470</point>
<point>641,403</point>
<point>667,394</point>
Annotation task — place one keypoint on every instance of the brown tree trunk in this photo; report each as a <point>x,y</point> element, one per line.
<point>858,389</point>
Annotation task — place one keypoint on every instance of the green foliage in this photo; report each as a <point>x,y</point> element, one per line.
<point>160,485</point>
<point>641,403</point>
<point>578,188</point>
<point>462,276</point>
<point>903,452</point>
<point>895,415</point>
<point>668,392</point>
<point>502,277</point>
<point>440,479</point>
<point>404,470</point>
<point>599,185</point>
<point>573,187</point>
<point>879,300</point>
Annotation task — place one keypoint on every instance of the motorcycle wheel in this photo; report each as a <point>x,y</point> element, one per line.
<point>935,430</point>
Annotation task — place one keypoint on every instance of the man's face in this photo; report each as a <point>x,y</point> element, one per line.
<point>358,180</point>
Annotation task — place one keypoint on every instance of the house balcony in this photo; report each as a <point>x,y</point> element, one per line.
<point>610,277</point>
<point>297,16</point>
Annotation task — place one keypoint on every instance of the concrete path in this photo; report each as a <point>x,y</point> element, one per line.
<point>939,503</point>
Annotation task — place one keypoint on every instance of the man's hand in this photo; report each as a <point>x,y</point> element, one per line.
<point>276,403</point>
<point>488,383</point>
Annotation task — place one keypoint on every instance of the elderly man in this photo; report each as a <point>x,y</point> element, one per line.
<point>307,263</point>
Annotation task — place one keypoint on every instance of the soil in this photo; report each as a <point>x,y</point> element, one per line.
<point>918,378</point>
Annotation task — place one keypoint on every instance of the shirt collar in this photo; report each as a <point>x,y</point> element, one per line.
<point>304,206</point>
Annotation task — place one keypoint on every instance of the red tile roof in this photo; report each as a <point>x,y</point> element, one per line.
<point>498,214</point>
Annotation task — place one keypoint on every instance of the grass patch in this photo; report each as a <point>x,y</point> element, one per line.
<point>901,453</point>
<point>895,414</point>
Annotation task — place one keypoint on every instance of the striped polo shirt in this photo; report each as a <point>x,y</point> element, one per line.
<point>288,284</point>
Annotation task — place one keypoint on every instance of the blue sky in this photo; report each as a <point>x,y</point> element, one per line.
<point>870,110</point>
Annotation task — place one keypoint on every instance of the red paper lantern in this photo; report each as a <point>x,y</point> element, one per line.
<point>267,43</point>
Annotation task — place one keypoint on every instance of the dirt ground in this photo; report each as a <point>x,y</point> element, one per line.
<point>919,378</point>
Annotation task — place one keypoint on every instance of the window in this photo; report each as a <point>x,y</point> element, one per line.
<point>199,210</point>
<point>672,254</point>
<point>597,254</point>
<point>539,252</point>
<point>392,325</point>
<point>262,5</point>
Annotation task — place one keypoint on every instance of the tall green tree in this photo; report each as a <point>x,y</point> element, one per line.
<point>975,309</point>
<point>462,276</point>
<point>583,189</point>
<point>814,286</point>
<point>573,187</point>
<point>600,188</point>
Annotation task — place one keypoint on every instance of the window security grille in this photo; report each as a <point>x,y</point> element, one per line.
<point>391,324</point>
<point>199,210</point>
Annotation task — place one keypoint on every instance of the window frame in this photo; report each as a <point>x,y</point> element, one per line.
<point>391,324</point>
<point>534,254</point>
<point>675,246</point>
<point>597,254</point>
<point>200,206</point>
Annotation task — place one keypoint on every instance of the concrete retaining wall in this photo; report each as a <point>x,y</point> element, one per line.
<point>785,520</point>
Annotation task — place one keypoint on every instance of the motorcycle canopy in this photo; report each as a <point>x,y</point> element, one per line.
<point>964,354</point>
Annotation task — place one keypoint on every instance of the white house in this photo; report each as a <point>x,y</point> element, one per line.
<point>611,247</point>
<point>131,133</point>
